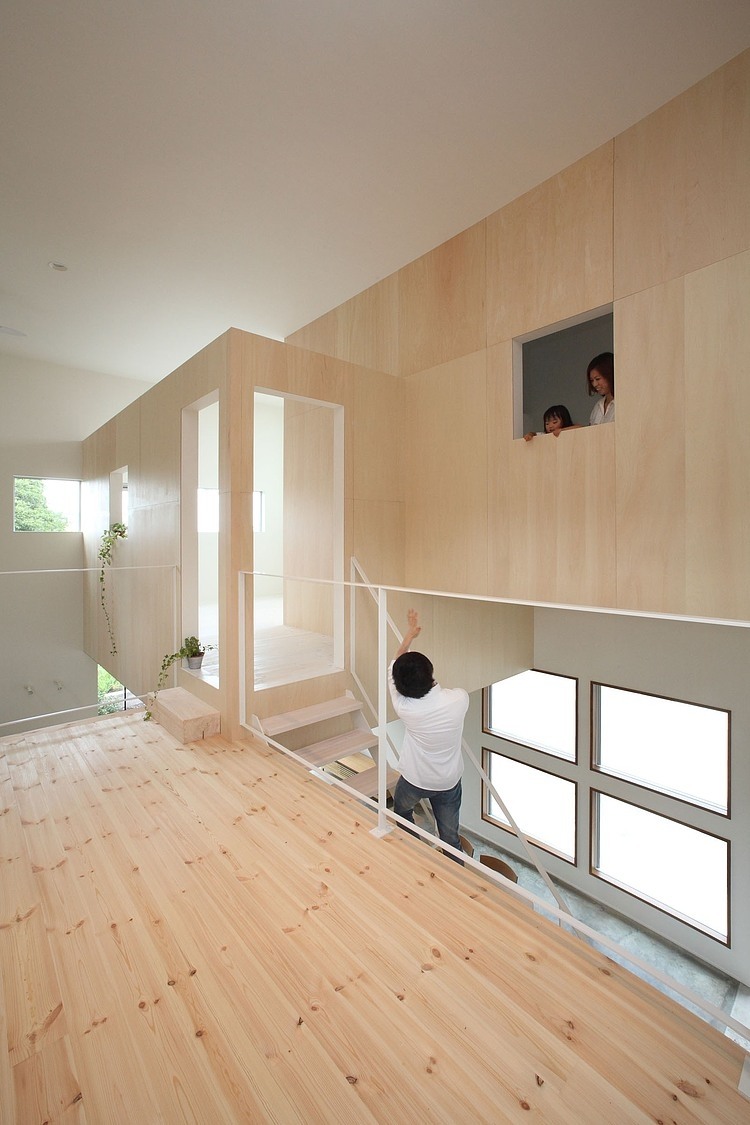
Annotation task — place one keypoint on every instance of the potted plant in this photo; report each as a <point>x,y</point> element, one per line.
<point>192,650</point>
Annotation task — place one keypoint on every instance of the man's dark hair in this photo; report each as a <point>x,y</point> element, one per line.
<point>412,674</point>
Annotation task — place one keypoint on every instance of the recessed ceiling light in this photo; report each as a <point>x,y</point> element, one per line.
<point>11,331</point>
<point>57,266</point>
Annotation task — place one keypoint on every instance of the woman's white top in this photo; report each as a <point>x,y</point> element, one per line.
<point>599,414</point>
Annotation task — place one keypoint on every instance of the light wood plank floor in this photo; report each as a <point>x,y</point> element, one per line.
<point>207,934</point>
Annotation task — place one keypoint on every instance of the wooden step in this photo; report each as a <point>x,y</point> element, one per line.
<point>186,717</point>
<point>331,749</point>
<point>305,716</point>
<point>366,782</point>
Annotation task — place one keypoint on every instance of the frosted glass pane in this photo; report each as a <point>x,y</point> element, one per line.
<point>542,805</point>
<point>680,868</point>
<point>537,709</point>
<point>679,748</point>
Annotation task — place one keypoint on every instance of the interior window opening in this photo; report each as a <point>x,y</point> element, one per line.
<point>298,540</point>
<point>200,525</point>
<point>553,387</point>
<point>118,496</point>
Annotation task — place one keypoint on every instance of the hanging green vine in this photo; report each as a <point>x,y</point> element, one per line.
<point>109,538</point>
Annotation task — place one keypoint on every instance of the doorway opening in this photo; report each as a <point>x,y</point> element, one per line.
<point>200,512</point>
<point>298,534</point>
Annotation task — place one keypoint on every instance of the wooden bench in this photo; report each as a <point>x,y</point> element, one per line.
<point>186,717</point>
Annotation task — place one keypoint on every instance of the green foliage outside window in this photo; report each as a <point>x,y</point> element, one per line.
<point>31,512</point>
<point>109,692</point>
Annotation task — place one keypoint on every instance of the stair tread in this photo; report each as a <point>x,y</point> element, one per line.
<point>366,782</point>
<point>331,749</point>
<point>305,716</point>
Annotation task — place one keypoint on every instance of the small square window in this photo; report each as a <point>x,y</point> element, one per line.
<point>46,504</point>
<point>550,370</point>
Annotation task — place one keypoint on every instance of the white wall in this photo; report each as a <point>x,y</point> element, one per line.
<point>682,660</point>
<point>47,411</point>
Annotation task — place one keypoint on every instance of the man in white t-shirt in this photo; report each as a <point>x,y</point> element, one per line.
<point>431,761</point>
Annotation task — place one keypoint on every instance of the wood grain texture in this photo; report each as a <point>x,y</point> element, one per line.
<point>681,194</point>
<point>649,492</point>
<point>717,466</point>
<point>549,253</point>
<point>441,303</point>
<point>362,330</point>
<point>232,944</point>
<point>445,466</point>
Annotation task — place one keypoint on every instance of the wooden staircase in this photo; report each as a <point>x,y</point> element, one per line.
<point>327,733</point>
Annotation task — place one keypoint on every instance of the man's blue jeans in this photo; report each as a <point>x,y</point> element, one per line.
<point>446,806</point>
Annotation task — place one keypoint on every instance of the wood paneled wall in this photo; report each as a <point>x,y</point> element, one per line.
<point>647,514</point>
<point>146,437</point>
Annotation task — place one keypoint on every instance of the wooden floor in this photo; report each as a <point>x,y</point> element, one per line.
<point>207,934</point>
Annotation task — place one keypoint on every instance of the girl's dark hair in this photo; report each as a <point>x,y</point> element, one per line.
<point>560,412</point>
<point>412,674</point>
<point>605,365</point>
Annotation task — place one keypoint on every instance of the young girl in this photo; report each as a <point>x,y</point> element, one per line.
<point>556,419</point>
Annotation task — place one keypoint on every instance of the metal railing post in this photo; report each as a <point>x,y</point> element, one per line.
<point>384,826</point>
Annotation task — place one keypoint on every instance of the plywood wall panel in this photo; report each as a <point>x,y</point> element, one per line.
<point>681,193</point>
<point>499,431</point>
<point>471,643</point>
<point>441,303</point>
<point>530,498</point>
<point>561,523</point>
<point>479,642</point>
<point>378,538</point>
<point>373,420</point>
<point>549,253</point>
<point>445,476</point>
<point>585,516</point>
<point>717,466</point>
<point>363,330</point>
<point>319,335</point>
<point>649,491</point>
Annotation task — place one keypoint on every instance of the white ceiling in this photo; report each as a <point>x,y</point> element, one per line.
<point>252,163</point>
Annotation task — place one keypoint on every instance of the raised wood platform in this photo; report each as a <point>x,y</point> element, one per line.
<point>185,716</point>
<point>211,934</point>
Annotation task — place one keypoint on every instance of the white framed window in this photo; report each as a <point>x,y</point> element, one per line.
<point>542,804</point>
<point>46,504</point>
<point>673,747</point>
<point>673,866</point>
<point>536,709</point>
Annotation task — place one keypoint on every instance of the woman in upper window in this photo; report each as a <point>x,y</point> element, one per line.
<point>600,376</point>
